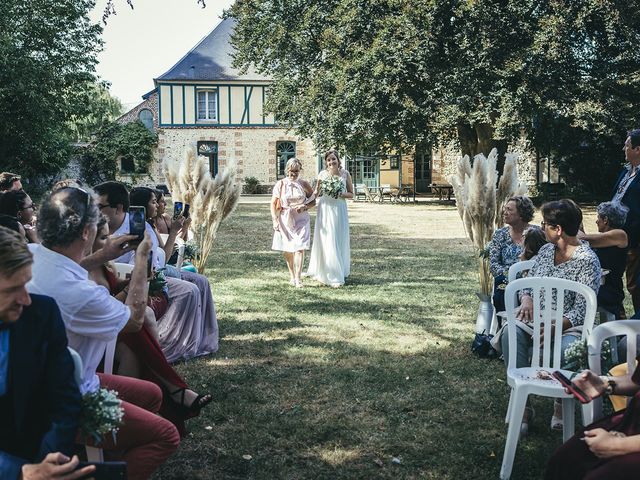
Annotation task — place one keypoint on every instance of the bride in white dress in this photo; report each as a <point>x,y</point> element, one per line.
<point>330,261</point>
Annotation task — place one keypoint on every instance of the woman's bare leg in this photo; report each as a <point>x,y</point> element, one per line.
<point>288,256</point>
<point>298,261</point>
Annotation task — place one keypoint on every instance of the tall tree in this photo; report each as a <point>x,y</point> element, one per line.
<point>48,54</point>
<point>98,109</point>
<point>372,73</point>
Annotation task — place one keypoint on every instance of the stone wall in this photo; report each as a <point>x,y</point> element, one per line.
<point>252,148</point>
<point>151,103</point>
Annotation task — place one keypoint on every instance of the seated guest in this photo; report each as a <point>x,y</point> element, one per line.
<point>567,257</point>
<point>162,221</point>
<point>506,245</point>
<point>17,204</point>
<point>10,181</point>
<point>144,358</point>
<point>146,197</point>
<point>611,246</point>
<point>67,226</point>
<point>39,398</point>
<point>12,223</point>
<point>534,239</point>
<point>609,448</point>
<point>189,326</point>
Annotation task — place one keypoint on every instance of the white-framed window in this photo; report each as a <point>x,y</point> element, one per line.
<point>207,105</point>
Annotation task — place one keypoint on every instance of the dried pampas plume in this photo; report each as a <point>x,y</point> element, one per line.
<point>480,198</point>
<point>211,199</point>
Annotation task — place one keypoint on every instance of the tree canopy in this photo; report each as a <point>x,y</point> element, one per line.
<point>47,62</point>
<point>366,74</point>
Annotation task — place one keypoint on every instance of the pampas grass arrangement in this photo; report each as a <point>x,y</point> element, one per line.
<point>211,199</point>
<point>479,199</point>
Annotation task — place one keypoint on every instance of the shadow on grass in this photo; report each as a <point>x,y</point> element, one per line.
<point>324,384</point>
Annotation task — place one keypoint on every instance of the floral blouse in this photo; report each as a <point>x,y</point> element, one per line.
<point>582,267</point>
<point>503,252</point>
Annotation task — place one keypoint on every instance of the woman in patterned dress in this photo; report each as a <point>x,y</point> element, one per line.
<point>567,257</point>
<point>506,245</point>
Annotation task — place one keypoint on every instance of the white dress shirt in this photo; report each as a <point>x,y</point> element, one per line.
<point>92,317</point>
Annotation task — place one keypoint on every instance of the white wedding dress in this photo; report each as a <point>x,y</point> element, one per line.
<point>330,261</point>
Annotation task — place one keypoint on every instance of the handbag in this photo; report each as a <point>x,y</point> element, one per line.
<point>481,346</point>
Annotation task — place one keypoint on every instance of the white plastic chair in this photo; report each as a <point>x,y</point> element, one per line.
<point>525,381</point>
<point>123,270</point>
<point>94,454</point>
<point>514,270</point>
<point>628,328</point>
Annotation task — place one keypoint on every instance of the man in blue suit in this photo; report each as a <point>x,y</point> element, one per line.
<point>627,191</point>
<point>39,399</point>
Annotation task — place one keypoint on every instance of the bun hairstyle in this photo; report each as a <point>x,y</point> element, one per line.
<point>332,151</point>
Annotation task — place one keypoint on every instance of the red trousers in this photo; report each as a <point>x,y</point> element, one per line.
<point>145,440</point>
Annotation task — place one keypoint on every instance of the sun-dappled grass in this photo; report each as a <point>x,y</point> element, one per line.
<point>324,383</point>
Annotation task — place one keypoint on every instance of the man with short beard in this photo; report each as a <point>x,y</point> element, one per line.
<point>39,398</point>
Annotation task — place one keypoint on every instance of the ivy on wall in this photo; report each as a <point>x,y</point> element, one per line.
<point>116,145</point>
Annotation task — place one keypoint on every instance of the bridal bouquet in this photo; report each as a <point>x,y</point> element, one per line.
<point>101,413</point>
<point>332,186</point>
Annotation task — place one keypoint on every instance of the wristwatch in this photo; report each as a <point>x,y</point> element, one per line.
<point>611,385</point>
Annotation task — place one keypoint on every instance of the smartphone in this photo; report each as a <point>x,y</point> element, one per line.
<point>185,212</point>
<point>137,220</point>
<point>569,385</point>
<point>106,470</point>
<point>177,209</point>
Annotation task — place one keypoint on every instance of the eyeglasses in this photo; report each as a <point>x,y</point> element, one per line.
<point>32,206</point>
<point>102,205</point>
<point>544,224</point>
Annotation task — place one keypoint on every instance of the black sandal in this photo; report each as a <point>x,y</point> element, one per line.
<point>198,403</point>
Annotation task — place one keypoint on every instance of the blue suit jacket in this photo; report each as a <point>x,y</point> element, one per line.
<point>631,199</point>
<point>44,394</point>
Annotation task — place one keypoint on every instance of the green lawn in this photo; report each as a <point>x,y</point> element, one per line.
<point>320,383</point>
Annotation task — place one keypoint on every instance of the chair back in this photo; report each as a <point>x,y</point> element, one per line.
<point>519,267</point>
<point>123,270</point>
<point>547,356</point>
<point>77,366</point>
<point>627,328</point>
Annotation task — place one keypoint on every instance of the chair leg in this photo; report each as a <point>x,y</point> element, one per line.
<point>587,414</point>
<point>568,418</point>
<point>518,401</point>
<point>509,407</point>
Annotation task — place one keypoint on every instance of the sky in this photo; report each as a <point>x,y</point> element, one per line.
<point>143,43</point>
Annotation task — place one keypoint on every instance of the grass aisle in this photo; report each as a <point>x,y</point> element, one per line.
<point>321,383</point>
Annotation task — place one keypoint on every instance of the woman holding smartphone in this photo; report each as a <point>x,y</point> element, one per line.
<point>607,449</point>
<point>198,335</point>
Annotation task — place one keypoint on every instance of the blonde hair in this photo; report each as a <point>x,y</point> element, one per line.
<point>14,253</point>
<point>291,162</point>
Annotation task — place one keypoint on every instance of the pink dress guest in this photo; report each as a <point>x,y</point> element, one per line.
<point>295,228</point>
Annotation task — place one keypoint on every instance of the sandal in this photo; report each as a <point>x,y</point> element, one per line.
<point>556,423</point>
<point>198,403</point>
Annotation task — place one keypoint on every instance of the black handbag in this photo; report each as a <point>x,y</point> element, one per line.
<point>481,346</point>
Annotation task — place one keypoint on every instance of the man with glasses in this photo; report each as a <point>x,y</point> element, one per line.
<point>93,318</point>
<point>627,192</point>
